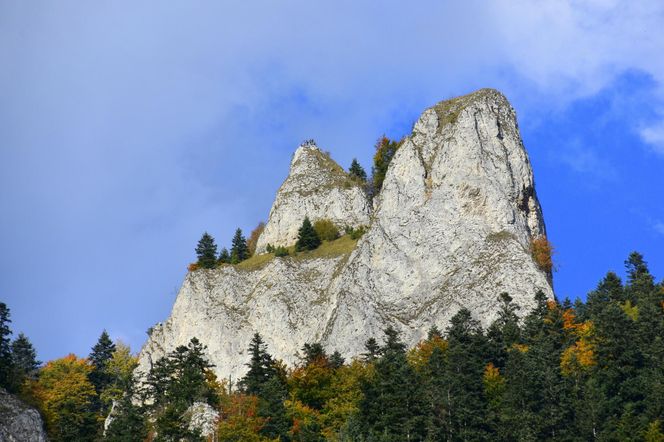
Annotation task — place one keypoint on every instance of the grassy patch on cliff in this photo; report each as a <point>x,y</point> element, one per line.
<point>328,249</point>
<point>255,262</point>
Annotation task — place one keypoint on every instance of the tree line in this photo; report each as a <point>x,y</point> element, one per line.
<point>564,371</point>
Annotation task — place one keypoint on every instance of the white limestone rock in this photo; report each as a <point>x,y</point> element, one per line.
<point>203,418</point>
<point>451,228</point>
<point>18,422</point>
<point>316,187</point>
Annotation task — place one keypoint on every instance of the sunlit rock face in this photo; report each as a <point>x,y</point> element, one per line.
<point>316,187</point>
<point>451,228</point>
<point>18,422</point>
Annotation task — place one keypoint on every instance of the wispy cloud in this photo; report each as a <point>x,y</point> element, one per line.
<point>659,227</point>
<point>585,160</point>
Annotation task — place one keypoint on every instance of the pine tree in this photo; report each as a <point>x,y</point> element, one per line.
<point>224,256</point>
<point>101,354</point>
<point>206,251</point>
<point>6,363</point>
<point>307,238</point>
<point>464,401</point>
<point>357,171</point>
<point>24,358</point>
<point>260,367</point>
<point>239,249</point>
<point>372,350</point>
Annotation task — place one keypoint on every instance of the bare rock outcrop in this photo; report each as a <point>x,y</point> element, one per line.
<point>451,228</point>
<point>19,422</point>
<point>316,187</point>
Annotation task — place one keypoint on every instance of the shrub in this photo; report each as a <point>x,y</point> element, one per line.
<point>269,248</point>
<point>281,251</point>
<point>192,267</point>
<point>326,230</point>
<point>385,150</point>
<point>542,252</point>
<point>253,237</point>
<point>356,232</point>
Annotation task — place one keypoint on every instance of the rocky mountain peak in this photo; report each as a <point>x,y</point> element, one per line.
<point>316,187</point>
<point>451,228</point>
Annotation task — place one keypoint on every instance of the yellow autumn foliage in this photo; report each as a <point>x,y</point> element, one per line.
<point>418,356</point>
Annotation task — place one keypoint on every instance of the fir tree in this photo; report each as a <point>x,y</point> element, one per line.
<point>224,256</point>
<point>239,249</point>
<point>260,367</point>
<point>307,238</point>
<point>206,252</point>
<point>6,364</point>
<point>101,354</point>
<point>24,359</point>
<point>464,401</point>
<point>357,171</point>
<point>372,350</point>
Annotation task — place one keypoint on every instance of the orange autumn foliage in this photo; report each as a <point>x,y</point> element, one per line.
<point>542,252</point>
<point>418,356</point>
<point>239,418</point>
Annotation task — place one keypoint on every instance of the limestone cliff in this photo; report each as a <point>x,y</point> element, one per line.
<point>451,228</point>
<point>18,422</point>
<point>316,187</point>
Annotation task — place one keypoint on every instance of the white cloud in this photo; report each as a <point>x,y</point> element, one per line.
<point>659,227</point>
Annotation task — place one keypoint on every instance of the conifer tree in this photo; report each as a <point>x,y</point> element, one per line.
<point>464,401</point>
<point>307,238</point>
<point>224,256</point>
<point>24,359</point>
<point>101,354</point>
<point>6,364</point>
<point>206,252</point>
<point>239,249</point>
<point>357,171</point>
<point>260,367</point>
<point>372,350</point>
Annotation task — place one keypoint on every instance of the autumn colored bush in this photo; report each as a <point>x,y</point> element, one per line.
<point>326,230</point>
<point>542,252</point>
<point>253,237</point>
<point>192,267</point>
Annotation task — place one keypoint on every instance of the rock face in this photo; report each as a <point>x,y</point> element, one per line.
<point>316,187</point>
<point>451,228</point>
<point>18,422</point>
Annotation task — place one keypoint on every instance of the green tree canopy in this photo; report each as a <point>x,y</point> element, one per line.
<point>239,249</point>
<point>307,238</point>
<point>357,171</point>
<point>206,252</point>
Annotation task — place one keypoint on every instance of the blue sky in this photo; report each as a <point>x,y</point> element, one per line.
<point>129,128</point>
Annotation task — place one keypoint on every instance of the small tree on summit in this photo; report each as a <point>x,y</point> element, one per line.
<point>239,249</point>
<point>206,251</point>
<point>307,238</point>
<point>357,171</point>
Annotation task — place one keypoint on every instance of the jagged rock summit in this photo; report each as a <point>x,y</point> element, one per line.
<point>451,228</point>
<point>316,187</point>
